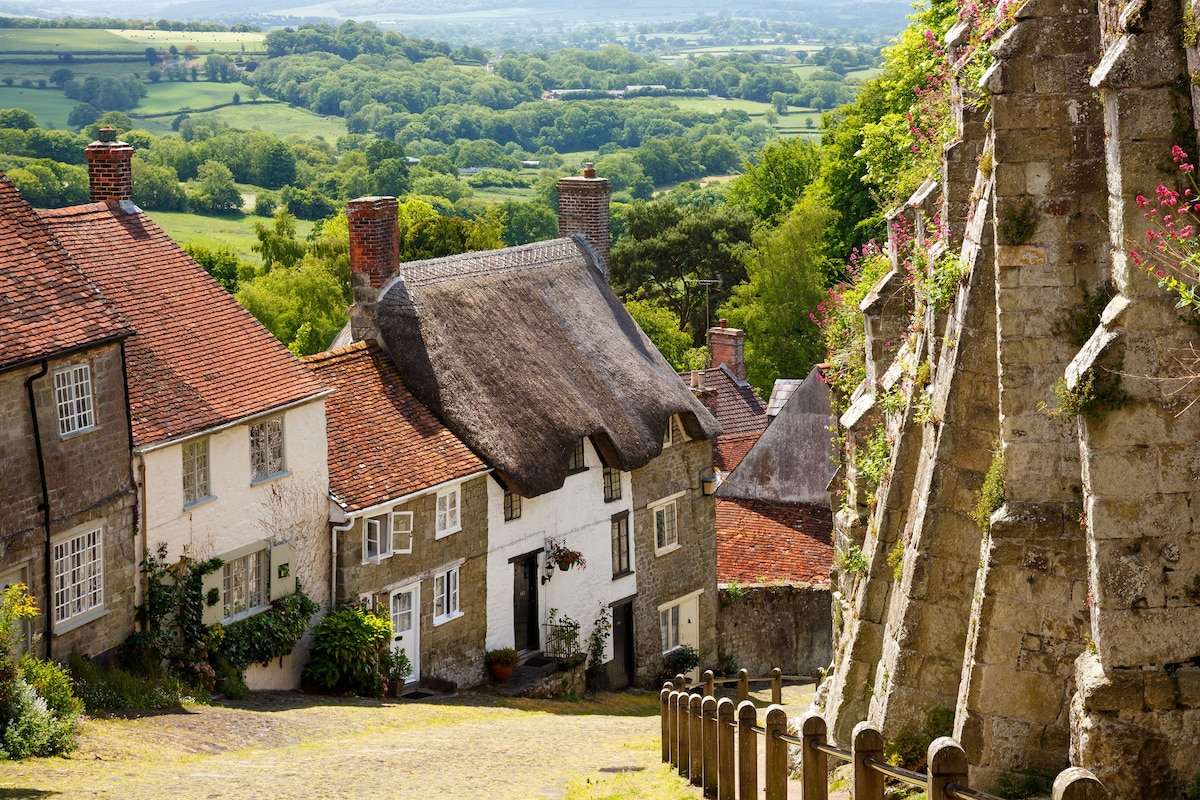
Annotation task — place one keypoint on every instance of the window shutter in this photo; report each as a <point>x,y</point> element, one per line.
<point>283,576</point>
<point>212,614</point>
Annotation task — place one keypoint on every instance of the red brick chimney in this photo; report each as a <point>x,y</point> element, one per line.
<point>583,208</point>
<point>109,172</point>
<point>374,237</point>
<point>727,346</point>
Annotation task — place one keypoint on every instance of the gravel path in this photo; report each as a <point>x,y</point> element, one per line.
<point>280,745</point>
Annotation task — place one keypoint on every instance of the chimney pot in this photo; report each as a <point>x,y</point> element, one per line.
<point>108,134</point>
<point>589,170</point>
<point>724,322</point>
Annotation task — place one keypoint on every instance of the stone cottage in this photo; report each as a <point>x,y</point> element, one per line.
<point>67,495</point>
<point>410,515</point>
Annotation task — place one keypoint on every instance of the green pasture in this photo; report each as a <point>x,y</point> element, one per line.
<point>234,231</point>
<point>205,41</point>
<point>278,118</point>
<point>43,67</point>
<point>172,96</point>
<point>717,105</point>
<point>50,106</point>
<point>66,40</point>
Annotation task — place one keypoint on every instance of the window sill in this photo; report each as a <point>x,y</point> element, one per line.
<point>71,623</point>
<point>612,499</point>
<point>79,432</point>
<point>624,574</point>
<point>447,532</point>
<point>268,478</point>
<point>671,548</point>
<point>577,470</point>
<point>448,618</point>
<point>199,501</point>
<point>250,612</point>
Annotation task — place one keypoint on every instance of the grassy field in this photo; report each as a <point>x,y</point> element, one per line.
<point>207,42</point>
<point>66,40</point>
<point>171,96</point>
<point>50,106</point>
<point>278,118</point>
<point>232,231</point>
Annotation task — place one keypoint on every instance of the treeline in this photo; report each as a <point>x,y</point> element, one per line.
<point>117,23</point>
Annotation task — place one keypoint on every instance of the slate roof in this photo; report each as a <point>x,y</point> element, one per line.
<point>198,359</point>
<point>526,350</point>
<point>792,461</point>
<point>760,542</point>
<point>47,306</point>
<point>383,444</point>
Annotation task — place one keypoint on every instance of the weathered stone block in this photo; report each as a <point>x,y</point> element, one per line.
<point>1119,689</point>
<point>1188,679</point>
<point>1159,690</point>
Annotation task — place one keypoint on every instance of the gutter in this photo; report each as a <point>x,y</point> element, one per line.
<point>44,506</point>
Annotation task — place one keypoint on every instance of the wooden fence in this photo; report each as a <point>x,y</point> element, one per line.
<point>714,743</point>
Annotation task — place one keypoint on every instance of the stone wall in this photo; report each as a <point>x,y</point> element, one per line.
<point>1064,630</point>
<point>690,568</point>
<point>763,626</point>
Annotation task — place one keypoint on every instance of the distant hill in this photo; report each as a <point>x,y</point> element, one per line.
<point>857,14</point>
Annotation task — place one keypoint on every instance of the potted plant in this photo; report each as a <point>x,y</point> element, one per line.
<point>501,663</point>
<point>396,668</point>
<point>564,557</point>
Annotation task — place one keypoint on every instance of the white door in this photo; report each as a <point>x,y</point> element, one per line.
<point>406,626</point>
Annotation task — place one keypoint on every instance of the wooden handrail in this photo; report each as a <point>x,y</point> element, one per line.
<point>704,738</point>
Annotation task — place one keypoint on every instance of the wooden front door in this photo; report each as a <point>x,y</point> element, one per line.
<point>525,603</point>
<point>620,672</point>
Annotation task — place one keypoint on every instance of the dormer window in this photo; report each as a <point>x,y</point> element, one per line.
<point>575,461</point>
<point>512,506</point>
<point>669,435</point>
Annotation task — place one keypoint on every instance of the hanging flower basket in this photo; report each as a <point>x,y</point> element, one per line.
<point>564,557</point>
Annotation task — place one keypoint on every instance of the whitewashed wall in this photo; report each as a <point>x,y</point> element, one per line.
<point>578,514</point>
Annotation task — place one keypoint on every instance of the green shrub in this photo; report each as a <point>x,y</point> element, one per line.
<point>28,727</point>
<point>53,684</point>
<point>680,660</point>
<point>110,688</point>
<point>909,749</point>
<point>895,560</point>
<point>1025,783</point>
<point>991,493</point>
<point>347,646</point>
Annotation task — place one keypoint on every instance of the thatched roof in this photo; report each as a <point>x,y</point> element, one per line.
<point>792,461</point>
<point>524,351</point>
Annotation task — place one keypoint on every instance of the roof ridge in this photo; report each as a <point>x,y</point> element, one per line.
<point>329,355</point>
<point>535,255</point>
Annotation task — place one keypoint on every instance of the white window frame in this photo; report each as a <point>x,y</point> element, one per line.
<point>448,516</point>
<point>668,507</point>
<point>669,435</point>
<point>446,602</point>
<point>196,476</point>
<point>74,400</point>
<point>266,435</point>
<point>256,586</point>
<point>392,534</point>
<point>78,565</point>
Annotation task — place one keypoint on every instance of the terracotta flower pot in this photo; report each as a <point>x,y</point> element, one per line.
<point>500,672</point>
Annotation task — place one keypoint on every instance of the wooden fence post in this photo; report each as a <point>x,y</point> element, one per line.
<point>709,683</point>
<point>868,743</point>
<point>708,709</point>
<point>725,767</point>
<point>696,745</point>
<point>680,682</point>
<point>747,716</point>
<point>665,711</point>
<point>776,765</point>
<point>743,685</point>
<point>673,727</point>
<point>777,686</point>
<point>1077,783</point>
<point>682,731</point>
<point>947,764</point>
<point>814,765</point>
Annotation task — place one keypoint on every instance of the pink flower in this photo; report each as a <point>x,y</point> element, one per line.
<point>1158,272</point>
<point>1177,153</point>
<point>1142,201</point>
<point>1186,232</point>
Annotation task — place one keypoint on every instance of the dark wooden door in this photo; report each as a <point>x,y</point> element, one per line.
<point>620,673</point>
<point>525,603</point>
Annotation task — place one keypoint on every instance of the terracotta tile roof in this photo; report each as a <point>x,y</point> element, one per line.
<point>198,359</point>
<point>734,403</point>
<point>46,304</point>
<point>759,542</point>
<point>383,443</point>
<point>730,450</point>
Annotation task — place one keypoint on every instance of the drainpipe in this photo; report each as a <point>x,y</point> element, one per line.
<point>334,530</point>
<point>44,506</point>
